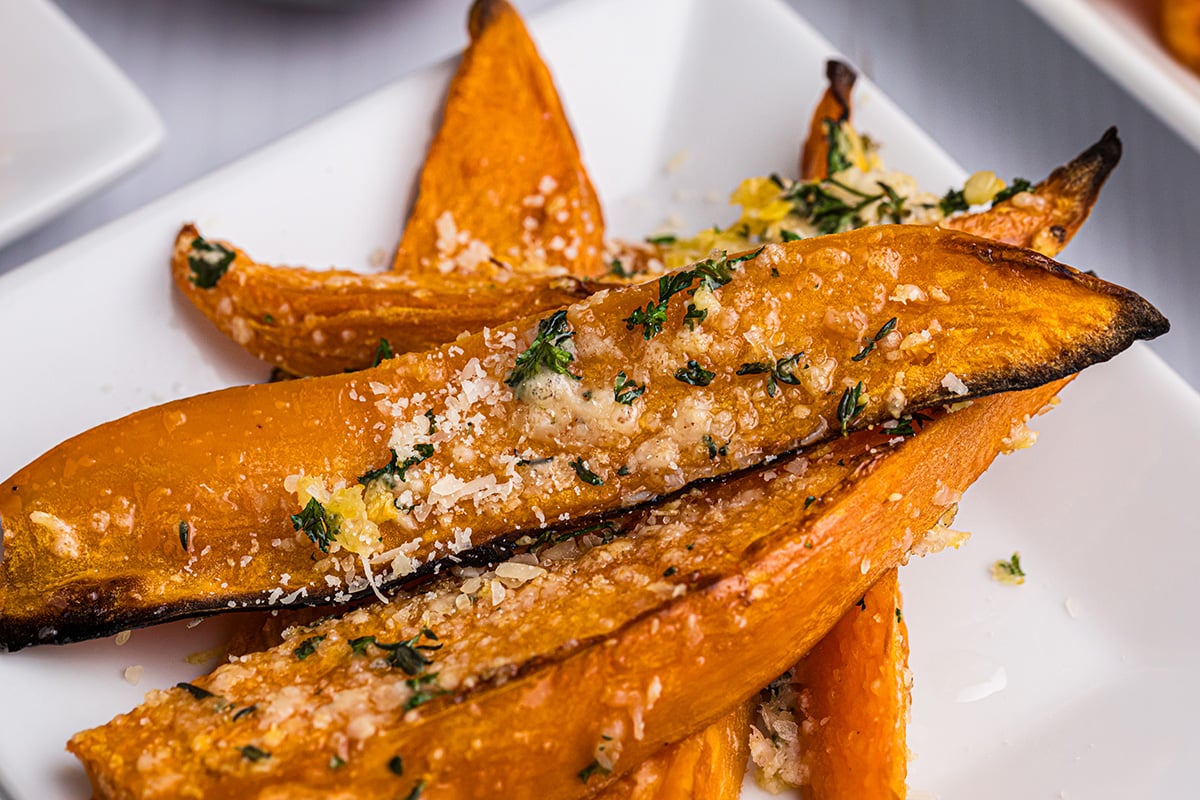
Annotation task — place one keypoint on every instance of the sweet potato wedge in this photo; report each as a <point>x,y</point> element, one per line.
<point>324,322</point>
<point>1045,218</point>
<point>690,609</point>
<point>168,507</point>
<point>832,109</point>
<point>708,765</point>
<point>854,687</point>
<point>503,177</point>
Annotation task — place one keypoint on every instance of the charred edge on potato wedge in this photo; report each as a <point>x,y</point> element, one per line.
<point>1017,319</point>
<point>833,108</point>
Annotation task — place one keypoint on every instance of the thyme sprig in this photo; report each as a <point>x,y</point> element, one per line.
<point>546,352</point>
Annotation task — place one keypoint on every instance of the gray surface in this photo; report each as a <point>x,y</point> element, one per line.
<point>986,79</point>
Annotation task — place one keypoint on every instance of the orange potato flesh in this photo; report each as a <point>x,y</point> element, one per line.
<point>708,765</point>
<point>634,658</point>
<point>218,464</point>
<point>514,186</point>
<point>1179,22</point>
<point>854,686</point>
<point>324,322</point>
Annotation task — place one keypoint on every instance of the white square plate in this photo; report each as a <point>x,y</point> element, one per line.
<point>1121,37</point>
<point>70,122</point>
<point>1016,696</point>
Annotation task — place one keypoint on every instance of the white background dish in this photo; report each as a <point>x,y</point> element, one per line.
<point>97,331</point>
<point>1121,37</point>
<point>69,120</point>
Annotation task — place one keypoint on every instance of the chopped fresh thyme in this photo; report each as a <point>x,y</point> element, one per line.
<point>669,571</point>
<point>248,710</point>
<point>715,450</point>
<point>1017,186</point>
<point>395,470</point>
<point>869,344</point>
<point>836,157</point>
<point>952,202</point>
<point>694,374</point>
<point>396,765</point>
<point>417,789</point>
<point>782,371</point>
<point>625,391</point>
<point>404,655</point>
<point>252,753</point>
<point>666,238</point>
<point>850,405</point>
<point>432,422</point>
<point>1009,571</point>
<point>624,470</point>
<point>336,762</point>
<point>617,269</point>
<point>904,425</point>
<point>893,206</point>
<point>862,603</point>
<point>532,462</point>
<point>808,501</point>
<point>899,615</point>
<point>195,691</point>
<point>591,769</point>
<point>586,475</point>
<point>787,236</point>
<point>382,352</point>
<point>308,647</point>
<point>425,688</point>
<point>546,351</point>
<point>185,534</point>
<point>712,274</point>
<point>319,526</point>
<point>208,262</point>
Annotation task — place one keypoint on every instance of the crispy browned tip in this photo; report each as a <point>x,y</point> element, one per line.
<point>1059,206</point>
<point>833,107</point>
<point>484,13</point>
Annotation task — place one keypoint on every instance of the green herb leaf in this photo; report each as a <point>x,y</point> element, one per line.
<point>244,712</point>
<point>185,534</point>
<point>850,405</point>
<point>585,474</point>
<point>694,316</point>
<point>952,202</point>
<point>308,647</point>
<point>1012,567</point>
<point>195,691</point>
<point>252,753</point>
<point>425,688</point>
<point>669,571</point>
<point>382,352</point>
<point>617,269</point>
<point>336,762</point>
<point>546,352</point>
<point>893,207</point>
<point>316,524</point>
<point>789,236</point>
<point>713,449</point>
<point>808,501</point>
<point>208,262</point>
<point>869,344</point>
<point>666,238</point>
<point>782,371</point>
<point>625,391</point>
<point>396,765</point>
<point>591,769</point>
<point>694,374</point>
<point>395,470</point>
<point>1015,187</point>
<point>838,143</point>
<point>417,789</point>
<point>432,422</point>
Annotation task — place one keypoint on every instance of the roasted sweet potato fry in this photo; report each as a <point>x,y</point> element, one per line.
<point>1046,217</point>
<point>323,322</point>
<point>503,178</point>
<point>854,688</point>
<point>611,403</point>
<point>691,608</point>
<point>708,765</point>
<point>832,109</point>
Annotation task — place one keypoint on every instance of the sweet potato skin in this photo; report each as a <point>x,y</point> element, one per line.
<point>772,576</point>
<point>218,463</point>
<point>515,184</point>
<point>324,322</point>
